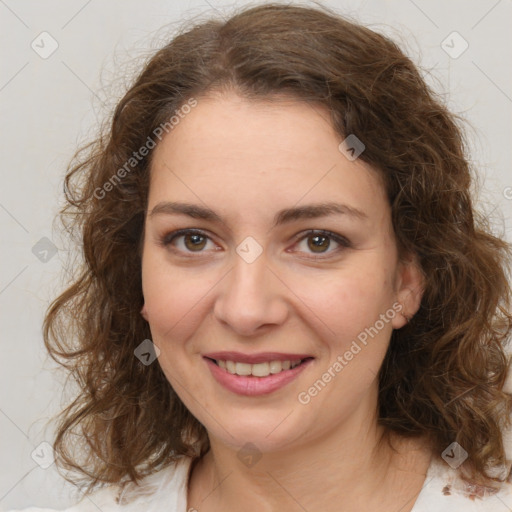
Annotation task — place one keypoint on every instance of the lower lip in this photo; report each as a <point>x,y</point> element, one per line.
<point>253,386</point>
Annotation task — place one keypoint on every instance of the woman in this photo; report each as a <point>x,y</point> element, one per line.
<point>287,300</point>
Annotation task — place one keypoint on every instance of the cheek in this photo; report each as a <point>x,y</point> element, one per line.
<point>171,295</point>
<point>174,299</point>
<point>349,301</point>
<point>354,336</point>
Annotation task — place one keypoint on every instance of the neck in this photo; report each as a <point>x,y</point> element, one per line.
<point>355,465</point>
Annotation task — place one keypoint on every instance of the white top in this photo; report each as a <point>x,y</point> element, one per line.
<point>166,490</point>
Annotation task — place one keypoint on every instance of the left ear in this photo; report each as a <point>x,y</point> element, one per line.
<point>409,286</point>
<point>144,312</point>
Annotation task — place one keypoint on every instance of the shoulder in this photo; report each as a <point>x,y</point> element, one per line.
<point>167,487</point>
<point>445,491</point>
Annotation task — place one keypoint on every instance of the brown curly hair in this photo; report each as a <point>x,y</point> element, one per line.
<point>444,373</point>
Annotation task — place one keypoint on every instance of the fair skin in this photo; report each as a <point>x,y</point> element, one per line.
<point>246,161</point>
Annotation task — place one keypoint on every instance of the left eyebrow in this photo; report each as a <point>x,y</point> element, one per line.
<point>313,211</point>
<point>287,215</point>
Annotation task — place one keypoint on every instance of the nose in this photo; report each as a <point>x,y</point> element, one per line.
<point>251,297</point>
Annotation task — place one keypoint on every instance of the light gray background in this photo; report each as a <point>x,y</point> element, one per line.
<point>49,106</point>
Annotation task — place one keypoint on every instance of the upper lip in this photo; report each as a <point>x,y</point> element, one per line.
<point>261,357</point>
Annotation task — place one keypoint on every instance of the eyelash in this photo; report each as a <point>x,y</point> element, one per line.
<point>343,242</point>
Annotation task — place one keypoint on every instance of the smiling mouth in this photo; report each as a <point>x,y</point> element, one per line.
<point>258,369</point>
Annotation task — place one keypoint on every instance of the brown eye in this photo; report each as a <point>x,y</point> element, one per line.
<point>319,243</point>
<point>186,241</point>
<point>194,242</point>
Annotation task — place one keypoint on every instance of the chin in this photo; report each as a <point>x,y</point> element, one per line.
<point>270,432</point>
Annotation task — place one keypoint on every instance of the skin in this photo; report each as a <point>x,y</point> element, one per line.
<point>246,160</point>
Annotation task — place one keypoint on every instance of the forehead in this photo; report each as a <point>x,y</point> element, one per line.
<point>257,154</point>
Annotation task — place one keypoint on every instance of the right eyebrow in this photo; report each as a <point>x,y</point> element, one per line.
<point>191,210</point>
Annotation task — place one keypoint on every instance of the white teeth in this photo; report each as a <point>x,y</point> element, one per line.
<point>230,366</point>
<point>275,366</point>
<point>243,369</point>
<point>258,369</point>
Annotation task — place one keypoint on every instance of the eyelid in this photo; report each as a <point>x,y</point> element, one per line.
<point>169,237</point>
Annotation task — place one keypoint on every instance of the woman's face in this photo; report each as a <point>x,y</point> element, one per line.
<point>256,287</point>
